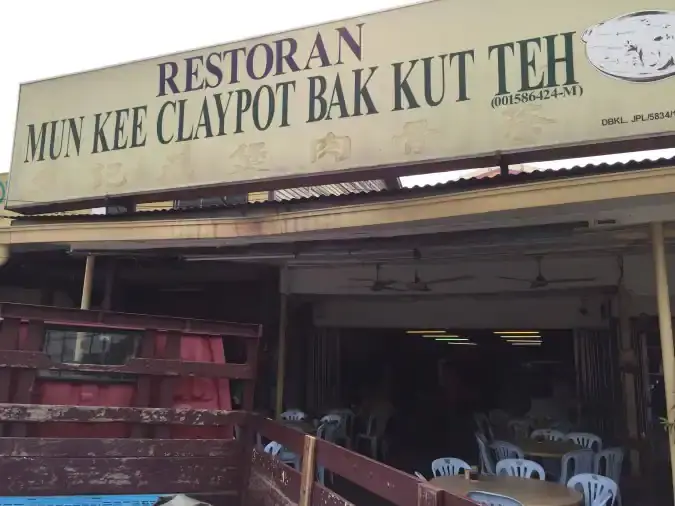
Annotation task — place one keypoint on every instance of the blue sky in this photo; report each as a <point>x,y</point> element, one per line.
<point>46,38</point>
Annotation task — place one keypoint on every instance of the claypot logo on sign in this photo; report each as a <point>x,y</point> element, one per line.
<point>637,47</point>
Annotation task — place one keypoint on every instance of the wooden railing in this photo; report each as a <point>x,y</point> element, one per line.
<point>272,483</point>
<point>223,471</point>
<point>72,466</point>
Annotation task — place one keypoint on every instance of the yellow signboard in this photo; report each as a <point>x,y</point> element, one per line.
<point>443,80</point>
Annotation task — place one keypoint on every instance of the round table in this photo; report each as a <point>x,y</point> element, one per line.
<point>546,449</point>
<point>528,491</point>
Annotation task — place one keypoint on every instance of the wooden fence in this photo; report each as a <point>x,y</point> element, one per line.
<point>148,461</point>
<point>272,483</point>
<point>224,471</point>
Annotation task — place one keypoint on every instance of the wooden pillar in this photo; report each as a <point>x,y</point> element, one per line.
<point>281,350</point>
<point>85,303</point>
<point>666,333</point>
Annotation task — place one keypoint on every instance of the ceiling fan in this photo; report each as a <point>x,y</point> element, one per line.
<point>418,285</point>
<point>540,281</point>
<point>377,284</point>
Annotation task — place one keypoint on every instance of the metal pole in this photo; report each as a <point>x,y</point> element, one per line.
<point>85,304</point>
<point>281,351</point>
<point>87,283</point>
<point>666,333</point>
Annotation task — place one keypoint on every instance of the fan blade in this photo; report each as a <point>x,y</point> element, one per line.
<point>570,280</point>
<point>449,280</point>
<point>508,278</point>
<point>417,287</point>
<point>371,280</point>
<point>391,289</point>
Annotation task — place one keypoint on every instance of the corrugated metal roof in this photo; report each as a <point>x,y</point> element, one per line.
<point>330,189</point>
<point>488,180</point>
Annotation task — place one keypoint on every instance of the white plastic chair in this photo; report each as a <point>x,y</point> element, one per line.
<point>595,488</point>
<point>548,434</point>
<point>498,417</point>
<point>448,466</point>
<point>487,465</point>
<point>294,415</point>
<point>520,468</point>
<point>331,418</point>
<point>519,428</point>
<point>505,450</point>
<point>609,463</point>
<point>328,432</point>
<point>586,440</point>
<point>575,462</point>
<point>490,499</point>
<point>483,425</point>
<point>346,425</point>
<point>604,500</point>
<point>278,451</point>
<point>374,433</point>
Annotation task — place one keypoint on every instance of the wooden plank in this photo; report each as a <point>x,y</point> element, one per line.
<point>248,432</point>
<point>146,366</point>
<point>144,383</point>
<point>69,476</point>
<point>26,378</point>
<point>274,431</point>
<point>9,340</point>
<point>271,482</point>
<point>108,319</point>
<point>428,495</point>
<point>456,500</point>
<point>308,474</point>
<point>104,414</point>
<point>123,447</point>
<point>322,496</point>
<point>393,485</point>
<point>167,386</point>
<point>252,364</point>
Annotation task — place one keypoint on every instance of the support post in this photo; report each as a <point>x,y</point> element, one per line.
<point>666,334</point>
<point>628,362</point>
<point>308,471</point>
<point>281,350</point>
<point>85,303</point>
